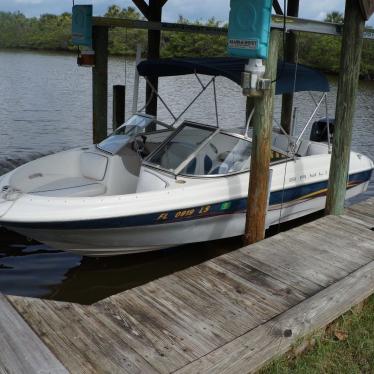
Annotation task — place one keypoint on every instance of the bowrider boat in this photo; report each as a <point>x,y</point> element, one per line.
<point>142,190</point>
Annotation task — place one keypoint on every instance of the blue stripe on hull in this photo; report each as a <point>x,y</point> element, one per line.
<point>223,208</point>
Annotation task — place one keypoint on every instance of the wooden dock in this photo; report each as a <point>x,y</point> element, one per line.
<point>231,314</point>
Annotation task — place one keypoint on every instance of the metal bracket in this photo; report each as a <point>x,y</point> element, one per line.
<point>261,85</point>
<point>264,84</point>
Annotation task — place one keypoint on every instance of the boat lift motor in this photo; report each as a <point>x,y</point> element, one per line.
<point>248,36</point>
<point>81,27</point>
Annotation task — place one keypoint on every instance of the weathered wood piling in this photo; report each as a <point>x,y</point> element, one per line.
<point>290,55</point>
<point>354,25</point>
<point>100,84</point>
<point>262,121</point>
<point>119,96</point>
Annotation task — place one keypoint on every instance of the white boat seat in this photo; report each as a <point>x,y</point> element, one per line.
<point>303,148</point>
<point>317,149</point>
<point>71,187</point>
<point>93,165</point>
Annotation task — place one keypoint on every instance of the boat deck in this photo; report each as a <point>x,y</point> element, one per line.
<point>231,314</point>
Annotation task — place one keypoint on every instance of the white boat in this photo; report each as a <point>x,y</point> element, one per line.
<point>142,190</point>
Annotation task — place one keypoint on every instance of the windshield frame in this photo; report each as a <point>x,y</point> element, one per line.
<point>176,172</point>
<point>147,116</point>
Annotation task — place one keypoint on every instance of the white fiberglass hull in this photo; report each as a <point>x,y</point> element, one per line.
<point>142,238</point>
<point>100,206</point>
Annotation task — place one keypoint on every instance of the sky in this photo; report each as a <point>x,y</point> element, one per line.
<point>191,9</point>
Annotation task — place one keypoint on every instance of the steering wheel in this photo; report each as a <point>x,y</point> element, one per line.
<point>139,145</point>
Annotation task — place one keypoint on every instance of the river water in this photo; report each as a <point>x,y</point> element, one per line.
<point>45,106</point>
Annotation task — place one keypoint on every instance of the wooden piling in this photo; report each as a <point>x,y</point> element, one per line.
<point>345,106</point>
<point>119,95</point>
<point>261,148</point>
<point>153,12</point>
<point>100,83</point>
<point>154,39</point>
<point>290,55</point>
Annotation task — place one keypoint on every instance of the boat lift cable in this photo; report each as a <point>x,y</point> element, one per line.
<point>215,100</point>
<point>154,92</point>
<point>176,118</point>
<point>328,126</point>
<point>204,87</point>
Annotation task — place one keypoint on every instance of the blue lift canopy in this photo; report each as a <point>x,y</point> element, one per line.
<point>307,79</point>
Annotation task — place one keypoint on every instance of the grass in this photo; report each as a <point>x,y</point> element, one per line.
<point>345,346</point>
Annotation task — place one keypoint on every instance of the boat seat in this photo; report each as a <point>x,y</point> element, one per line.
<point>303,148</point>
<point>93,165</point>
<point>317,149</point>
<point>71,187</point>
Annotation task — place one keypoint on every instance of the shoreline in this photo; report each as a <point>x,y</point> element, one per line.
<point>366,78</point>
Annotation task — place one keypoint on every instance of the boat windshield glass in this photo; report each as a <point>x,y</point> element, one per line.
<point>202,151</point>
<point>127,133</point>
<point>180,146</point>
<point>223,154</point>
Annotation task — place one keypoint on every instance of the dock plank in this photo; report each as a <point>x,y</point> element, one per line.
<point>353,253</point>
<point>75,337</point>
<point>297,263</point>
<point>339,263</point>
<point>153,316</point>
<point>359,218</point>
<point>365,207</point>
<point>212,302</point>
<point>252,350</point>
<point>226,315</point>
<point>231,321</point>
<point>203,330</point>
<point>235,293</point>
<point>250,289</point>
<point>256,277</point>
<point>306,286</point>
<point>22,351</point>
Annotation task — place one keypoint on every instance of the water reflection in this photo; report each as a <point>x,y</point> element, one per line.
<point>45,106</point>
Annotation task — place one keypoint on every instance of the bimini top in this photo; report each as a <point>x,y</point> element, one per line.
<point>307,79</point>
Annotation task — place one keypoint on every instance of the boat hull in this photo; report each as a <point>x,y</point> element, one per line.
<point>226,219</point>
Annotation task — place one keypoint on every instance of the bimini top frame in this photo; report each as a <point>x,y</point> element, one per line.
<point>291,78</point>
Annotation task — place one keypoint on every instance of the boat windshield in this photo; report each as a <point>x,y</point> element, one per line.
<point>201,151</point>
<point>180,146</point>
<point>223,154</point>
<point>127,132</point>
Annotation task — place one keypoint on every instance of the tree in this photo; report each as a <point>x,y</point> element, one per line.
<point>335,17</point>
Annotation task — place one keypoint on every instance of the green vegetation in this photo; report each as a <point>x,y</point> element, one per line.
<point>47,32</point>
<point>346,346</point>
<point>52,32</point>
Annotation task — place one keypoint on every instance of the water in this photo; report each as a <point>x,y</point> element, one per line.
<point>45,106</point>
